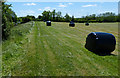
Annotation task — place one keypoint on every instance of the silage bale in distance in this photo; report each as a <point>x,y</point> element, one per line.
<point>87,24</point>
<point>72,24</point>
<point>44,21</point>
<point>48,23</point>
<point>100,42</point>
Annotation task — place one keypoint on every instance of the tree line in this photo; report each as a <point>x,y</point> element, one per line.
<point>10,19</point>
<point>57,17</point>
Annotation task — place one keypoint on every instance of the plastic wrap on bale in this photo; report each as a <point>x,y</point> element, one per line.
<point>87,24</point>
<point>72,24</point>
<point>48,23</point>
<point>100,42</point>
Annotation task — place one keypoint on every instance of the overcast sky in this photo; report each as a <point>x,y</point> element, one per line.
<point>77,9</point>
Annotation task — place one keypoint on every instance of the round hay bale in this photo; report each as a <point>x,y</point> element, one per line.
<point>72,24</point>
<point>100,42</point>
<point>44,21</point>
<point>48,23</point>
<point>87,24</point>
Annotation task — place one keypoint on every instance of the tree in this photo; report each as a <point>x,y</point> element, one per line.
<point>39,17</point>
<point>118,18</point>
<point>58,16</point>
<point>67,18</point>
<point>19,20</point>
<point>46,15</point>
<point>53,15</point>
<point>8,17</point>
<point>72,19</point>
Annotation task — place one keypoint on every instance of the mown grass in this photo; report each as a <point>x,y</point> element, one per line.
<point>12,48</point>
<point>57,50</point>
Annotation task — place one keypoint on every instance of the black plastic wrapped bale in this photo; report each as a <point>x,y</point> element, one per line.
<point>72,24</point>
<point>48,23</point>
<point>44,20</point>
<point>87,24</point>
<point>100,42</point>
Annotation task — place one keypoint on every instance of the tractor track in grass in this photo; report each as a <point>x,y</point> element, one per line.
<point>49,55</point>
<point>56,65</point>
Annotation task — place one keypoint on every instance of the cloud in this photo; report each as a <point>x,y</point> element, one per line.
<point>70,3</point>
<point>89,5</point>
<point>64,5</point>
<point>40,9</point>
<point>61,5</point>
<point>49,9</point>
<point>106,11</point>
<point>30,4</point>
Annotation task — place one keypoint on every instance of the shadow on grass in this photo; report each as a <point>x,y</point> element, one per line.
<point>104,54</point>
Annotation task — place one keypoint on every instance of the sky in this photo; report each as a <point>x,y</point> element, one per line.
<point>63,0</point>
<point>77,9</point>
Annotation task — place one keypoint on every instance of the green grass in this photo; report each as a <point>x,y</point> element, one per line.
<point>56,50</point>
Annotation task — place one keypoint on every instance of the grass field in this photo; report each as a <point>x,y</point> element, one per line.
<point>57,50</point>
